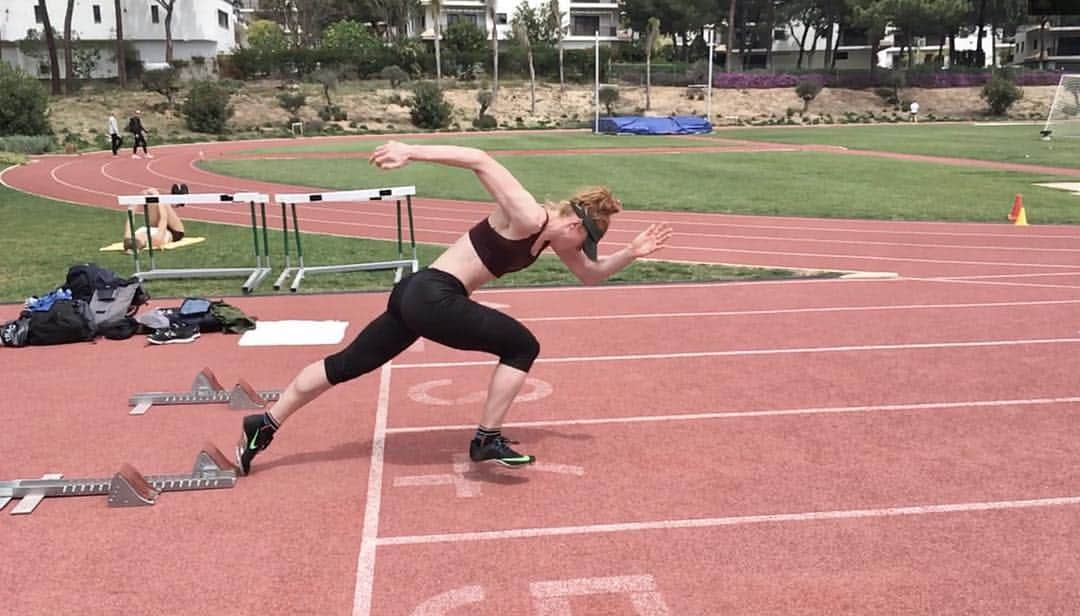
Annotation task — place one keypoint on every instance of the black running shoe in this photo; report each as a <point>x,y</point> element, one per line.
<point>257,436</point>
<point>176,334</point>
<point>497,450</point>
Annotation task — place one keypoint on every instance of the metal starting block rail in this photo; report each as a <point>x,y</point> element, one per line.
<point>347,196</point>
<point>127,488</point>
<point>205,390</point>
<point>254,275</point>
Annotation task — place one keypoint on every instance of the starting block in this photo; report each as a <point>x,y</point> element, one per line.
<point>127,488</point>
<point>205,390</point>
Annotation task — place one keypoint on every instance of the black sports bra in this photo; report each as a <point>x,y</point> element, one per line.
<point>500,255</point>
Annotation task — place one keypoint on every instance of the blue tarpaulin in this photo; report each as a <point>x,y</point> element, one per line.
<point>641,125</point>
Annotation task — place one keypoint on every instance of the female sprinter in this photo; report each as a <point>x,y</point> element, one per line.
<point>434,302</point>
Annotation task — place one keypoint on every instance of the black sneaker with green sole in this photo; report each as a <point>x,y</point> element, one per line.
<point>498,450</point>
<point>257,436</point>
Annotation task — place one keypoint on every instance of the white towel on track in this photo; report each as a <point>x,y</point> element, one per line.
<point>294,333</point>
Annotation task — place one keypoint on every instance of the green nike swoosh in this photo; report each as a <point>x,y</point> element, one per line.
<point>251,445</point>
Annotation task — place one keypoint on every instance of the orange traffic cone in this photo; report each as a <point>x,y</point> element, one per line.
<point>1018,206</point>
<point>1021,218</point>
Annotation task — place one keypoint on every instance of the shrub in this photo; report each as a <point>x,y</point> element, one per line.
<point>394,74</point>
<point>429,108</point>
<point>291,101</point>
<point>485,122</point>
<point>807,90</point>
<point>1000,93</point>
<point>484,98</point>
<point>23,103</point>
<point>609,95</point>
<point>207,108</point>
<point>164,81</point>
<point>23,144</point>
<point>333,112</point>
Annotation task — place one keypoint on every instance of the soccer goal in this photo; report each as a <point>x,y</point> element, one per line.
<point>1064,117</point>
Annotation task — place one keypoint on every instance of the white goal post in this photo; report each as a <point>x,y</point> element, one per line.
<point>1064,117</point>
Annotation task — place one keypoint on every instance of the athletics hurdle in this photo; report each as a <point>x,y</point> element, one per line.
<point>254,275</point>
<point>349,196</point>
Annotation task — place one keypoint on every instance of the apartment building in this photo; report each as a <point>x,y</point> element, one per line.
<point>1052,45</point>
<point>581,20</point>
<point>200,28</point>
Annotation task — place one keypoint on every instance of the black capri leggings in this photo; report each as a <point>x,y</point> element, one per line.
<point>433,304</point>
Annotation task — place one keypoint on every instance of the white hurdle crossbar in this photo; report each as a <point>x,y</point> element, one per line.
<point>254,275</point>
<point>347,196</point>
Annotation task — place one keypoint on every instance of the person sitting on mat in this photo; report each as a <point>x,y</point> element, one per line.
<point>163,227</point>
<point>434,302</point>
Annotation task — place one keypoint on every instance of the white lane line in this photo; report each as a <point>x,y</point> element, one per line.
<point>824,309</point>
<point>749,352</point>
<point>995,276</point>
<point>1003,283</point>
<point>102,170</point>
<point>52,174</point>
<point>778,518</point>
<point>365,561</point>
<point>823,410</point>
<point>1070,266</point>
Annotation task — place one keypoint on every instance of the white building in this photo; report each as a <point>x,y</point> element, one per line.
<point>1053,46</point>
<point>581,20</point>
<point>200,29</point>
<point>937,52</point>
<point>852,53</point>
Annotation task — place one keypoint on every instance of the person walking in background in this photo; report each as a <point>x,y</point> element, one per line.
<point>914,111</point>
<point>114,134</point>
<point>135,127</point>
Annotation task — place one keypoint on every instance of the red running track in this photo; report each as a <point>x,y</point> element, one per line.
<point>813,447</point>
<point>905,248</point>
<point>889,446</point>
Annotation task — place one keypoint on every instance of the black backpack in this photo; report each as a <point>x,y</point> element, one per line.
<point>86,278</point>
<point>66,321</point>
<point>15,333</point>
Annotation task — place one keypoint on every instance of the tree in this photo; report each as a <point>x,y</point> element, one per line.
<point>24,103</point>
<point>168,6</point>
<point>678,18</point>
<point>652,35</point>
<point>980,21</point>
<point>912,18</point>
<point>354,43</point>
<point>536,26</point>
<point>121,60</point>
<point>466,43</point>
<point>493,17</point>
<point>807,90</point>
<point>523,39</point>
<point>69,64</point>
<point>436,9</point>
<point>328,79</point>
<point>729,59</point>
<point>556,26</point>
<point>50,43</point>
<point>266,36</point>
<point>872,16</point>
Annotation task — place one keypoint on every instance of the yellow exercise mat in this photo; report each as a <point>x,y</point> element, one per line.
<point>187,241</point>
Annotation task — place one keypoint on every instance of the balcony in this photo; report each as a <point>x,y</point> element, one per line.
<point>596,5</point>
